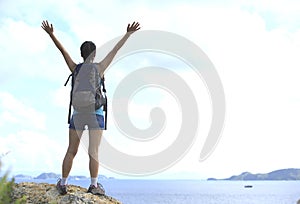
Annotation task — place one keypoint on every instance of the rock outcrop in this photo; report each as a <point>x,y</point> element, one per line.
<point>43,193</point>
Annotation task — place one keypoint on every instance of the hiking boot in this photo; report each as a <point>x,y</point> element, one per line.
<point>62,189</point>
<point>99,190</point>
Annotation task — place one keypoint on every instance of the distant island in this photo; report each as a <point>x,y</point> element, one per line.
<point>52,175</point>
<point>282,174</point>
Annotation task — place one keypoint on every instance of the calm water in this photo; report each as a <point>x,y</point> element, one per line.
<point>196,192</point>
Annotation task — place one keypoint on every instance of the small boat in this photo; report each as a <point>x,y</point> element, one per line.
<point>248,186</point>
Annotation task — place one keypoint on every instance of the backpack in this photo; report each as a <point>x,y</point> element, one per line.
<point>86,95</point>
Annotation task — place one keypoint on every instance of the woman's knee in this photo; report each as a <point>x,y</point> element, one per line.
<point>93,152</point>
<point>72,151</point>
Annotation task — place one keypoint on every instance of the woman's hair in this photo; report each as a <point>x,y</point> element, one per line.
<point>87,48</point>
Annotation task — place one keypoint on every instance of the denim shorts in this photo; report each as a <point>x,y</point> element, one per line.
<point>93,121</point>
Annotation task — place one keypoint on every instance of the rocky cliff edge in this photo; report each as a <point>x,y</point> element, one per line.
<point>43,193</point>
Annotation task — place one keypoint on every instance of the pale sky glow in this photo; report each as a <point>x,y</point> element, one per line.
<point>255,48</point>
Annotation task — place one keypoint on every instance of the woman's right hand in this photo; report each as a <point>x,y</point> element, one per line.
<point>131,28</point>
<point>48,28</point>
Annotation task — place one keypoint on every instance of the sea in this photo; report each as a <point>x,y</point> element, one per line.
<point>194,191</point>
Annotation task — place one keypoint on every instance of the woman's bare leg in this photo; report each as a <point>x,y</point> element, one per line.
<point>94,143</point>
<point>74,140</point>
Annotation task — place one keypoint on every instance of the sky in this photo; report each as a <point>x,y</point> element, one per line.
<point>254,46</point>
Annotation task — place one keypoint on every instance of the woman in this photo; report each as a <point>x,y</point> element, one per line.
<point>95,120</point>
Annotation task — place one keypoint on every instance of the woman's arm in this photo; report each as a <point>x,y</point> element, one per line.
<point>49,29</point>
<point>109,57</point>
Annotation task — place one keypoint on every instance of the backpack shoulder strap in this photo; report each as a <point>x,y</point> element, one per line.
<point>103,84</point>
<point>73,73</point>
<point>105,105</point>
<point>68,79</point>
